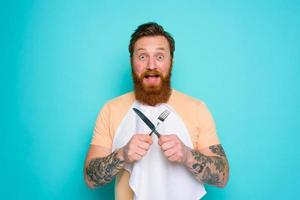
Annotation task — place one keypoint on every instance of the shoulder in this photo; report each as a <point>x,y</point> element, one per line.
<point>114,111</point>
<point>180,99</point>
<point>120,104</point>
<point>196,117</point>
<point>188,107</point>
<point>121,100</point>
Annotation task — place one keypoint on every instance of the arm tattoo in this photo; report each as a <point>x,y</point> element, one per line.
<point>101,170</point>
<point>210,169</point>
<point>217,149</point>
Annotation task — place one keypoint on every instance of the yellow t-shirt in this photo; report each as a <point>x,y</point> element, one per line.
<point>194,114</point>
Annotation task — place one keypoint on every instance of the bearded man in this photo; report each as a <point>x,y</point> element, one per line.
<point>174,151</point>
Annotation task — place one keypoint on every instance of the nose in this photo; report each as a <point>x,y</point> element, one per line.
<point>151,65</point>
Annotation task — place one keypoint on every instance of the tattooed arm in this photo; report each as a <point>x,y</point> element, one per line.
<point>101,165</point>
<point>209,165</point>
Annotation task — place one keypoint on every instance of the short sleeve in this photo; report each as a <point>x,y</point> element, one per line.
<point>206,128</point>
<point>102,135</point>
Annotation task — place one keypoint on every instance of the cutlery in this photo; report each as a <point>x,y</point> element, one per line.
<point>146,121</point>
<point>161,118</point>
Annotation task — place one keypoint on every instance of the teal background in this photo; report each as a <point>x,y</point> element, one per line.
<point>62,60</point>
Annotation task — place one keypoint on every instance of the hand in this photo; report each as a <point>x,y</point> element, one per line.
<point>136,148</point>
<point>173,148</point>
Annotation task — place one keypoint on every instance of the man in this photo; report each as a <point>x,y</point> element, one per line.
<point>182,155</point>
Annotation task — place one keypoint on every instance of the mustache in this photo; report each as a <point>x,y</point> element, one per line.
<point>148,73</point>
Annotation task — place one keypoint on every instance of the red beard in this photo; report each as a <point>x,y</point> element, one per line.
<point>152,95</point>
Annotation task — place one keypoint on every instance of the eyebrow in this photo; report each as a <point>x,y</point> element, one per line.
<point>160,48</point>
<point>139,49</point>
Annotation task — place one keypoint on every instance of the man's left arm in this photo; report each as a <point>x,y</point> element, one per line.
<point>208,165</point>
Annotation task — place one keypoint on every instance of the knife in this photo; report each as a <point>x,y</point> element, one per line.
<point>146,121</point>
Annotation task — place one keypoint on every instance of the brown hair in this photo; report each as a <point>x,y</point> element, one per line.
<point>151,29</point>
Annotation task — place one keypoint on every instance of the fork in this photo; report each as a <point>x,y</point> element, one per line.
<point>161,119</point>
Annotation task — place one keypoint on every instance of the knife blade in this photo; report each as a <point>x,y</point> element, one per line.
<point>146,121</point>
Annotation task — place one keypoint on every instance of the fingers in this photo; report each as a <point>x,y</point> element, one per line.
<point>166,138</point>
<point>137,147</point>
<point>134,157</point>
<point>170,152</point>
<point>143,145</point>
<point>140,152</point>
<point>174,158</point>
<point>172,148</point>
<point>144,138</point>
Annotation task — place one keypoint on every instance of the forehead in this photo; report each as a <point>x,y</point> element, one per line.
<point>150,43</point>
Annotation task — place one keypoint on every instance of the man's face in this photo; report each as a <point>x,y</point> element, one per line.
<point>151,61</point>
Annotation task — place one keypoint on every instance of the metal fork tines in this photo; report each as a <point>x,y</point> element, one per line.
<point>162,118</point>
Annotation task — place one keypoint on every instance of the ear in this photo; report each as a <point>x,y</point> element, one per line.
<point>172,61</point>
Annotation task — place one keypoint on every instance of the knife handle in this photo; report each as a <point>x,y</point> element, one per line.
<point>155,132</point>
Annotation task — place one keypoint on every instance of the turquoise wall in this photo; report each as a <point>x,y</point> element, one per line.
<point>62,60</point>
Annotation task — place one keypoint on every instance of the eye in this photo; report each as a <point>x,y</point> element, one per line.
<point>160,57</point>
<point>142,57</point>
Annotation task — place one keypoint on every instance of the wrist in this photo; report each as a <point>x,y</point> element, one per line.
<point>120,154</point>
<point>188,161</point>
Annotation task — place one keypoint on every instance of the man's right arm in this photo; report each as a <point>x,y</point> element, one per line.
<point>101,165</point>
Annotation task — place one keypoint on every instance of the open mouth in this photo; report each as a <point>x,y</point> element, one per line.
<point>152,76</point>
<point>152,79</point>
